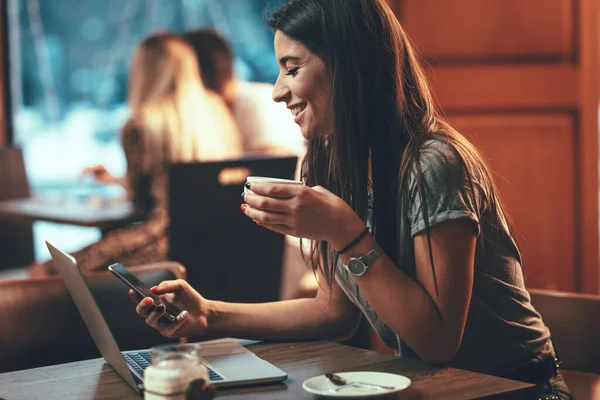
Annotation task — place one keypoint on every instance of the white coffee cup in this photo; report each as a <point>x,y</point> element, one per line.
<point>251,179</point>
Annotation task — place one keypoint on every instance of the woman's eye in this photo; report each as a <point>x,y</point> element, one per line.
<point>293,71</point>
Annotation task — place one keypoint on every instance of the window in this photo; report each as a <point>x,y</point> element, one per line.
<point>69,65</point>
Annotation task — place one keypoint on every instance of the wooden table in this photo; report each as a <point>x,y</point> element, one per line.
<point>94,379</point>
<point>74,213</point>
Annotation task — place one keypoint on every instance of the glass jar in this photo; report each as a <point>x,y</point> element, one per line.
<point>171,371</point>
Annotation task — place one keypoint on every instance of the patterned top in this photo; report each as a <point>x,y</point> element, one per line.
<point>140,243</point>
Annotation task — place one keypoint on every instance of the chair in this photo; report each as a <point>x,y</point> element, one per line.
<point>575,327</point>
<point>16,239</point>
<point>40,324</point>
<point>228,257</point>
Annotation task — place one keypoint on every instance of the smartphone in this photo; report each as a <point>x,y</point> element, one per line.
<point>142,290</point>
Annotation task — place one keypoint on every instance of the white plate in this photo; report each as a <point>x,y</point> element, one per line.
<point>320,385</point>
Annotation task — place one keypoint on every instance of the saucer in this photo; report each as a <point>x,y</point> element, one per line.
<point>322,386</point>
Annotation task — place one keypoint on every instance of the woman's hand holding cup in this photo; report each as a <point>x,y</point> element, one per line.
<point>290,208</point>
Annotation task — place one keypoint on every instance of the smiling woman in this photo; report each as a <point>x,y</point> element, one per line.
<point>404,221</point>
<point>303,84</point>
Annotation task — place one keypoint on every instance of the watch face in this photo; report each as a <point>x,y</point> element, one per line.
<point>356,266</point>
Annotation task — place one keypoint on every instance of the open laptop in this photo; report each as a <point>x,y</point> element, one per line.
<point>228,362</point>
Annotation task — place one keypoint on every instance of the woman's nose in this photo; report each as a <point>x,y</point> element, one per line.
<point>280,91</point>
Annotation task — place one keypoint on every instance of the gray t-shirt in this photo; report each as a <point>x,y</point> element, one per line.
<point>503,331</point>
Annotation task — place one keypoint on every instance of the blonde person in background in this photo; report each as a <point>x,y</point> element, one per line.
<point>173,119</point>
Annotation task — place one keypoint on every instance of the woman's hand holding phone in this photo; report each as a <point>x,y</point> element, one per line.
<point>191,321</point>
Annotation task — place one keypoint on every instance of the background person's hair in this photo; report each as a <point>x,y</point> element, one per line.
<point>214,56</point>
<point>179,120</point>
<point>383,110</point>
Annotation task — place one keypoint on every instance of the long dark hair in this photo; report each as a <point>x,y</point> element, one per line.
<point>383,111</point>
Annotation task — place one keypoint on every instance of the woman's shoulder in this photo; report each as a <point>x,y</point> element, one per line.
<point>447,160</point>
<point>437,151</point>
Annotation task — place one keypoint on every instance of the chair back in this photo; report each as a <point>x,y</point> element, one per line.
<point>16,239</point>
<point>227,256</point>
<point>13,178</point>
<point>574,322</point>
<point>42,326</point>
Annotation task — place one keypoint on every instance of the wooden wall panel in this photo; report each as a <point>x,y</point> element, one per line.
<point>488,30</point>
<point>524,76</point>
<point>587,141</point>
<point>483,88</point>
<point>2,108</point>
<point>532,157</point>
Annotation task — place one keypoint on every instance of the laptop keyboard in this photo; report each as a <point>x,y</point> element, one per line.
<point>140,360</point>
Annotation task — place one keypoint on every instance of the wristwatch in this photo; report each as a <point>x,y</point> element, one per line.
<point>358,266</point>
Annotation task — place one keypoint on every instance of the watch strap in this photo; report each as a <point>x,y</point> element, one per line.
<point>372,255</point>
<point>364,261</point>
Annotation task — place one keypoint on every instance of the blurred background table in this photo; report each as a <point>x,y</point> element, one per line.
<point>104,216</point>
<point>74,214</point>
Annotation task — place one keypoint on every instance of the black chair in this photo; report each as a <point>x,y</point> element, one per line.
<point>16,239</point>
<point>227,256</point>
<point>573,320</point>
